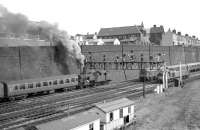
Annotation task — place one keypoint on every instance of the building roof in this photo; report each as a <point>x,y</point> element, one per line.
<point>119,30</point>
<point>69,123</point>
<point>157,29</point>
<point>113,105</point>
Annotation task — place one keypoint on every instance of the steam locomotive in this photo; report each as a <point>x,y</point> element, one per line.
<point>173,72</point>
<point>22,88</point>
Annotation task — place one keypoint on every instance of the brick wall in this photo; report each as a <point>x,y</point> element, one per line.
<point>170,54</point>
<point>31,62</point>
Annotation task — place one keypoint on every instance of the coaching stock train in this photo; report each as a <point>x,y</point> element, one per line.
<point>173,72</point>
<point>12,90</point>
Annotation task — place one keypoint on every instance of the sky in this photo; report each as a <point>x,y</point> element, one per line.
<point>82,16</point>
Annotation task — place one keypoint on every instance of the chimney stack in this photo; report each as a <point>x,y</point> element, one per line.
<point>179,33</point>
<point>174,31</point>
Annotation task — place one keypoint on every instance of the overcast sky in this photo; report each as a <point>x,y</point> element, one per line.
<point>82,16</point>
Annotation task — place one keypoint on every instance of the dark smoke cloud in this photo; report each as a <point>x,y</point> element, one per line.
<point>64,48</point>
<point>12,23</point>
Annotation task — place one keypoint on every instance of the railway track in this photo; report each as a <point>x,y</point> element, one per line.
<point>57,103</point>
<point>17,113</point>
<point>37,101</point>
<point>57,108</point>
<point>75,103</point>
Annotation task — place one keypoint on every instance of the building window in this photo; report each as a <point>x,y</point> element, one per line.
<point>111,116</point>
<point>67,81</point>
<point>129,109</point>
<point>121,113</point>
<point>22,86</point>
<point>16,87</point>
<point>91,126</point>
<point>45,83</point>
<point>61,82</point>
<point>30,85</point>
<point>50,83</point>
<point>73,80</point>
<point>38,84</point>
<point>55,82</point>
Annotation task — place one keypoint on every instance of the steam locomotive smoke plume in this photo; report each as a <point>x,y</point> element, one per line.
<point>12,23</point>
<point>20,25</point>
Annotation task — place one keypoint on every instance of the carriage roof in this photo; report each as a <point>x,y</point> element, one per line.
<point>41,79</point>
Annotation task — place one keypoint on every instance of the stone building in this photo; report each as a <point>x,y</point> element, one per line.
<point>126,34</point>
<point>173,38</point>
<point>156,34</point>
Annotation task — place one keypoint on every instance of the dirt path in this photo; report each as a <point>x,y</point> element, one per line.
<point>176,109</point>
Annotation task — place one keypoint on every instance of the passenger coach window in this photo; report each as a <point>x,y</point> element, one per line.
<point>61,82</point>
<point>67,81</point>
<point>38,84</point>
<point>22,86</point>
<point>45,83</point>
<point>30,85</point>
<point>55,82</point>
<point>73,79</point>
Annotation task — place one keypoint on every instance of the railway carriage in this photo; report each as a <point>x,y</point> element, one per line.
<point>23,88</point>
<point>193,67</point>
<point>173,72</point>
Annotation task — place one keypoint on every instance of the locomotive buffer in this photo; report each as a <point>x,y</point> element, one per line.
<point>125,65</point>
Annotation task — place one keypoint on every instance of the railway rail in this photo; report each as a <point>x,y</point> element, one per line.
<point>38,101</point>
<point>19,113</point>
<point>80,102</point>
<point>57,108</point>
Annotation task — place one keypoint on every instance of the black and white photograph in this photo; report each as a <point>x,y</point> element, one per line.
<point>99,65</point>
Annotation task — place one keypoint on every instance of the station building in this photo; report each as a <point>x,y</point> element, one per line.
<point>115,114</point>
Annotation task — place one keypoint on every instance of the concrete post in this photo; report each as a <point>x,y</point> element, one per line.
<point>166,77</point>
